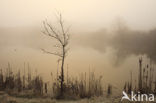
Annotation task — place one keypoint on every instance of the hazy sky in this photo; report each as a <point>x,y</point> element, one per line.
<point>91,44</point>
<point>93,13</point>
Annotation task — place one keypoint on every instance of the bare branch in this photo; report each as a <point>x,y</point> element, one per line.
<point>57,54</point>
<point>47,31</point>
<point>54,34</point>
<point>67,39</point>
<point>62,29</point>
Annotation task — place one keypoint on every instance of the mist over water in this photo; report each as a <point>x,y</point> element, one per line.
<point>124,41</point>
<point>96,42</point>
<point>112,53</point>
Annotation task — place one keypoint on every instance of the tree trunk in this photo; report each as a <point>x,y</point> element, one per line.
<point>62,72</point>
<point>140,75</point>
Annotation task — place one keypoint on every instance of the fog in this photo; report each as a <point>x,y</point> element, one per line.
<point>123,40</point>
<point>107,36</point>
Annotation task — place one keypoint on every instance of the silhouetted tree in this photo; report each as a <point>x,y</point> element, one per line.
<point>61,35</point>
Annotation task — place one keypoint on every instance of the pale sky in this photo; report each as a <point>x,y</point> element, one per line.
<point>95,13</point>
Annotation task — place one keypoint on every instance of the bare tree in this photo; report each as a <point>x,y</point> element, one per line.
<point>61,35</point>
